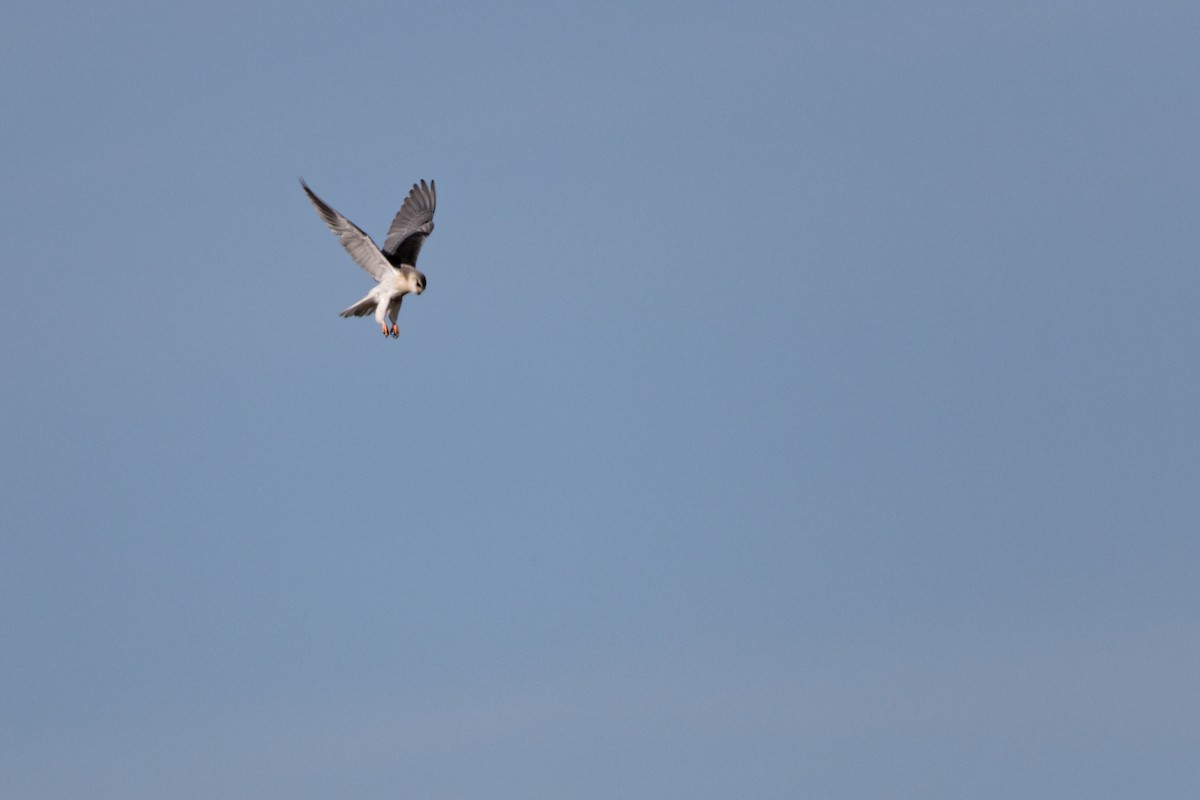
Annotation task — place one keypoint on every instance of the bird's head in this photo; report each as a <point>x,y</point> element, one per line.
<point>412,280</point>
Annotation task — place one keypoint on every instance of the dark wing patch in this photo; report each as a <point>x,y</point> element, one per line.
<point>412,223</point>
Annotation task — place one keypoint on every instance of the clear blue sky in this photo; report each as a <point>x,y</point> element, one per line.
<point>803,404</point>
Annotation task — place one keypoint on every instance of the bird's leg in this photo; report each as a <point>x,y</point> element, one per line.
<point>385,330</point>
<point>392,311</point>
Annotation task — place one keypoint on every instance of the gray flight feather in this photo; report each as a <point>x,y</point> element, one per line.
<point>412,224</point>
<point>360,246</point>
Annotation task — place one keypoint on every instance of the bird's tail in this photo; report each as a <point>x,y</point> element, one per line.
<point>361,308</point>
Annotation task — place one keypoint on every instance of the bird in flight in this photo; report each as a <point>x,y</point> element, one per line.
<point>395,266</point>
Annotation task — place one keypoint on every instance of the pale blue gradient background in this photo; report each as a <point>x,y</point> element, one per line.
<point>804,402</point>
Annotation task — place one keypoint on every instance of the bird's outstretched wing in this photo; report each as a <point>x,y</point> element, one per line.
<point>413,222</point>
<point>357,244</point>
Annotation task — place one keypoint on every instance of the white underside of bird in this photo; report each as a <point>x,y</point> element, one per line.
<point>385,299</point>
